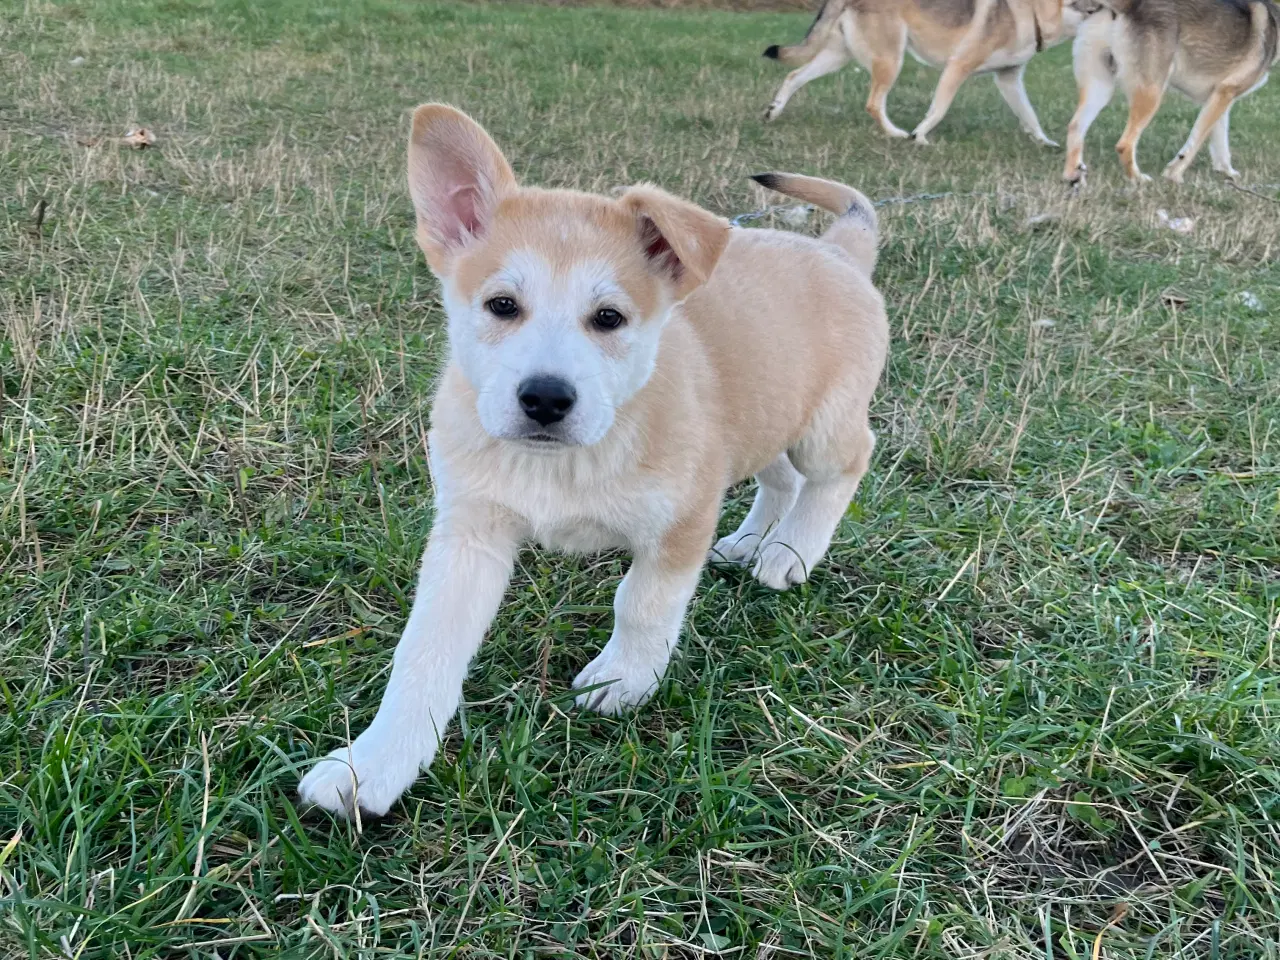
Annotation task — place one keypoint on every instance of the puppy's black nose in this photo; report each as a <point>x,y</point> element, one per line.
<point>546,399</point>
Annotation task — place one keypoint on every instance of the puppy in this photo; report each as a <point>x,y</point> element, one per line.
<point>960,37</point>
<point>1214,51</point>
<point>615,365</point>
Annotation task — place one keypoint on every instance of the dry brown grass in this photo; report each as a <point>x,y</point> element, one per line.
<point>1036,679</point>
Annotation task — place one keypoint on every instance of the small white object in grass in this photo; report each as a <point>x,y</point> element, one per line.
<point>76,61</point>
<point>139,138</point>
<point>796,216</point>
<point>1251,301</point>
<point>1042,322</point>
<point>1176,224</point>
<point>1039,219</point>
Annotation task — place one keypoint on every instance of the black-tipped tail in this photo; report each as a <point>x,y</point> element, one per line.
<point>768,180</point>
<point>857,228</point>
<point>771,51</point>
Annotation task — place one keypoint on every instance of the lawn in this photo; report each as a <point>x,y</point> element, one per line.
<point>1029,708</point>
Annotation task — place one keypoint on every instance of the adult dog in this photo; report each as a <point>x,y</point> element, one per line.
<point>1214,51</point>
<point>614,366</point>
<point>961,37</point>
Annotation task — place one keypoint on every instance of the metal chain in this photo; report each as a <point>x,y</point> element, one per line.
<point>742,218</point>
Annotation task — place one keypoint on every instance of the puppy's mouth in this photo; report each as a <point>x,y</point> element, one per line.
<point>542,441</point>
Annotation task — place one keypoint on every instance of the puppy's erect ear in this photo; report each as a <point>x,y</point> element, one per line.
<point>682,241</point>
<point>457,175</point>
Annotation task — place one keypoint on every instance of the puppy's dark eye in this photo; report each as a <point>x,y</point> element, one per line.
<point>607,318</point>
<point>504,308</point>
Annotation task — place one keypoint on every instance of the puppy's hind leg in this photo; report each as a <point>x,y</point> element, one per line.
<point>797,544</point>
<point>1009,82</point>
<point>778,484</point>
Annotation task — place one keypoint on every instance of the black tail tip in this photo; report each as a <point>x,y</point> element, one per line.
<point>770,180</point>
<point>771,52</point>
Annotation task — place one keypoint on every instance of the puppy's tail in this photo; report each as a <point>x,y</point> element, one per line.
<point>856,229</point>
<point>814,40</point>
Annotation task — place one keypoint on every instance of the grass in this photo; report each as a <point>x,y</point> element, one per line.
<point>1028,709</point>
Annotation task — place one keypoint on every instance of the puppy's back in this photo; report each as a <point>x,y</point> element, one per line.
<point>784,320</point>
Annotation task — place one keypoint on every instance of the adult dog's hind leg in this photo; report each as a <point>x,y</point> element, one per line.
<point>1215,111</point>
<point>880,43</point>
<point>1094,69</point>
<point>1220,146</point>
<point>827,60</point>
<point>955,73</point>
<point>778,483</point>
<point>1144,58</point>
<point>1009,83</point>
<point>1144,101</point>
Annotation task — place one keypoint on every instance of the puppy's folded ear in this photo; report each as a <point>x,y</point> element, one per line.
<point>682,241</point>
<point>457,176</point>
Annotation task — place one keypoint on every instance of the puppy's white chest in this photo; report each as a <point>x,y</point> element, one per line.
<point>581,536</point>
<point>579,519</point>
<point>574,505</point>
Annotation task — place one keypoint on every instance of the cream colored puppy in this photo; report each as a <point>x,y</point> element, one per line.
<point>614,366</point>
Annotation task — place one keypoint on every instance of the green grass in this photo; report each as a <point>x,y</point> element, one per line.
<point>1036,678</point>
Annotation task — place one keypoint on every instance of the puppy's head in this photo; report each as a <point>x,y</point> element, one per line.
<point>556,300</point>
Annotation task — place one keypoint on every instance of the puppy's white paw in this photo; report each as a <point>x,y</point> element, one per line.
<point>1231,173</point>
<point>780,567</point>
<point>735,548</point>
<point>630,682</point>
<point>361,774</point>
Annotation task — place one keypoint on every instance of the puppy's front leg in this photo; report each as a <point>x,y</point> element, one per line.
<point>648,610</point>
<point>464,573</point>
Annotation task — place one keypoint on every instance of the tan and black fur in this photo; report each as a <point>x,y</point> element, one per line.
<point>961,37</point>
<point>1213,51</point>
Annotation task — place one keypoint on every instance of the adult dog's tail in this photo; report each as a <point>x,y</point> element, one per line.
<point>856,229</point>
<point>814,40</point>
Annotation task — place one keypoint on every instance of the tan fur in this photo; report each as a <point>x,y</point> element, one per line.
<point>961,37</point>
<point>781,324</point>
<point>1214,51</point>
<point>741,352</point>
